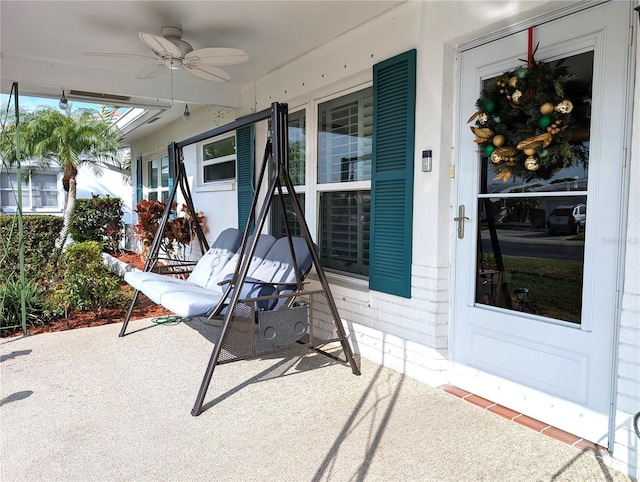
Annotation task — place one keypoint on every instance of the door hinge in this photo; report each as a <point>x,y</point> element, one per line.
<point>452,171</point>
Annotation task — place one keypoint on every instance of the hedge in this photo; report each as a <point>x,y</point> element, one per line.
<point>40,233</point>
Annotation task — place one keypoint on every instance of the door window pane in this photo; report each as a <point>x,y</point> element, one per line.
<point>531,235</point>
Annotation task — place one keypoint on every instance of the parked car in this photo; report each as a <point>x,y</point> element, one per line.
<point>569,219</point>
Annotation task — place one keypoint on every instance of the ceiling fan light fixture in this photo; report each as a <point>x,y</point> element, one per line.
<point>64,103</point>
<point>173,64</point>
<point>187,115</point>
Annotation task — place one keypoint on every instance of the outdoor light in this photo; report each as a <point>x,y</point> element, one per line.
<point>187,115</point>
<point>64,103</point>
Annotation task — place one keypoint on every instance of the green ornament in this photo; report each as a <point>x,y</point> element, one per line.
<point>544,121</point>
<point>488,149</point>
<point>522,72</point>
<point>489,105</point>
<point>496,119</point>
<point>543,153</point>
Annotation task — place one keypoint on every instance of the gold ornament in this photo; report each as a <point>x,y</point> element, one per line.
<point>515,97</point>
<point>483,134</point>
<point>564,107</point>
<point>504,175</point>
<point>496,158</point>
<point>483,118</point>
<point>506,151</point>
<point>513,81</point>
<point>531,163</point>
<point>498,140</point>
<point>546,108</point>
<point>529,152</point>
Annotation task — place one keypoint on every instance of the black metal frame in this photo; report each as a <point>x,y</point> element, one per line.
<point>277,148</point>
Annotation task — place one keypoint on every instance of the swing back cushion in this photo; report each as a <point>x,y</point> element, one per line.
<point>221,252</point>
<point>276,274</point>
<point>155,285</point>
<point>264,277</point>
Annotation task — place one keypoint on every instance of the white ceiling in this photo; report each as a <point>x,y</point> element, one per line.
<point>43,43</point>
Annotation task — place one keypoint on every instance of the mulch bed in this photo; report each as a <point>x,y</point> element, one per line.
<point>83,319</point>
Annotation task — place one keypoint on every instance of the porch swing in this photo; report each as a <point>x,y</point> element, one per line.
<point>258,316</point>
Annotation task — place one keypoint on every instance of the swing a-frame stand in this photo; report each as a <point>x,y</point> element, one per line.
<point>304,317</point>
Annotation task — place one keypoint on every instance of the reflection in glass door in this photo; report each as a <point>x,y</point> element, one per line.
<point>531,234</point>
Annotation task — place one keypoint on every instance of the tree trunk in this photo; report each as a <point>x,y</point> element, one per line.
<point>68,212</point>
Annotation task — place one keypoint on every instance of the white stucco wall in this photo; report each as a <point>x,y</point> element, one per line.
<point>108,183</point>
<point>217,202</point>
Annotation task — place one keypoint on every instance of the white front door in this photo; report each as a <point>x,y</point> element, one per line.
<point>537,262</point>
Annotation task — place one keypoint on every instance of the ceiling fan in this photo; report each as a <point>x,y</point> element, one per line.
<point>173,53</point>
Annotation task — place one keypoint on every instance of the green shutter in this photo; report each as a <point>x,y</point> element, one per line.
<point>245,162</point>
<point>394,94</point>
<point>139,191</point>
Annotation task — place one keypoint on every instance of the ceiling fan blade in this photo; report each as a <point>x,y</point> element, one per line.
<point>151,71</point>
<point>217,56</point>
<point>159,44</point>
<point>207,72</point>
<point>113,54</point>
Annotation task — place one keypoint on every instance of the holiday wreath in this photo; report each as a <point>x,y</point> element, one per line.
<point>530,121</point>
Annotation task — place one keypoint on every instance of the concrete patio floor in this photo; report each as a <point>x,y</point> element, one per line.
<point>85,405</point>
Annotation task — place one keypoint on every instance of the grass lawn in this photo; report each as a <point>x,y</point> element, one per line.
<point>555,286</point>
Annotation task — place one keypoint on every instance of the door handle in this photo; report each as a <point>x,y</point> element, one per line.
<point>460,220</point>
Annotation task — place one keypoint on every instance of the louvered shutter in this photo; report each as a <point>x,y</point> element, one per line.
<point>245,163</point>
<point>394,92</point>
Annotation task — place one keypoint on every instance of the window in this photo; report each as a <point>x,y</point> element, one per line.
<point>39,193</point>
<point>297,133</point>
<point>297,165</point>
<point>158,179</point>
<point>345,127</point>
<point>219,160</point>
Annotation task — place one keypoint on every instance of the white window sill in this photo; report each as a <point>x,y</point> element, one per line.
<point>217,186</point>
<point>343,281</point>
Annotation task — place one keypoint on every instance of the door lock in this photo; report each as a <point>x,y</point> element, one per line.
<point>460,220</point>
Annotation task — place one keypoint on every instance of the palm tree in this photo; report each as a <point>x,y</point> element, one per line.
<point>69,140</point>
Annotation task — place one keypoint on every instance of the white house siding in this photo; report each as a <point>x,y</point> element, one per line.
<point>412,335</point>
<point>626,445</point>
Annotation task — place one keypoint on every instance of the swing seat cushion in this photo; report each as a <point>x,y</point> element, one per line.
<point>154,285</point>
<point>270,273</point>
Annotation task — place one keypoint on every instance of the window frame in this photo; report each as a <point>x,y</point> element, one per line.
<point>159,190</point>
<point>317,188</point>
<point>27,185</point>
<point>203,163</point>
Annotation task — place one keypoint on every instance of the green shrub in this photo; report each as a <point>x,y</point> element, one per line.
<point>40,233</point>
<point>11,306</point>
<point>98,219</point>
<point>88,284</point>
